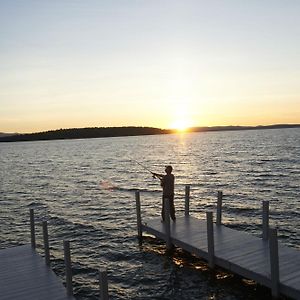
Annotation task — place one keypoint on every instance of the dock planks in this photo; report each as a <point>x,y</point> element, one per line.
<point>24,275</point>
<point>236,251</point>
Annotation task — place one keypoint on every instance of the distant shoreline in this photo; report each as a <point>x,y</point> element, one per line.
<point>101,132</point>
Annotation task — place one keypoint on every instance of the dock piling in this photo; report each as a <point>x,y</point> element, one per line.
<point>219,208</point>
<point>274,262</point>
<point>68,267</point>
<point>139,217</point>
<point>187,201</point>
<point>32,228</point>
<point>46,243</point>
<point>167,223</point>
<point>210,239</point>
<point>103,282</point>
<point>265,219</point>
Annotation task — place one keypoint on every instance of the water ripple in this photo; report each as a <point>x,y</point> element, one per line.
<point>86,191</point>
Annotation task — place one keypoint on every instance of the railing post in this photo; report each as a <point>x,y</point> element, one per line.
<point>32,228</point>
<point>68,266</point>
<point>167,223</point>
<point>274,262</point>
<point>265,220</point>
<point>187,201</point>
<point>46,243</point>
<point>219,208</point>
<point>139,216</point>
<point>210,239</point>
<point>103,282</point>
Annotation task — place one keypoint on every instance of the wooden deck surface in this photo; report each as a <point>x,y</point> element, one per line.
<point>24,275</point>
<point>236,251</point>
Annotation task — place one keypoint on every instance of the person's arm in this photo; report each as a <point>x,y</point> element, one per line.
<point>159,176</point>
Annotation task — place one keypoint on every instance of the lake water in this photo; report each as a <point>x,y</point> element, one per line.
<point>85,189</point>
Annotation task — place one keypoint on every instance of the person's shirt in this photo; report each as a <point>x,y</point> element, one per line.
<point>167,184</point>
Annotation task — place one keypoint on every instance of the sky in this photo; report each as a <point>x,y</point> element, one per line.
<point>94,63</point>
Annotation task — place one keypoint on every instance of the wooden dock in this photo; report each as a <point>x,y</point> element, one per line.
<point>263,260</point>
<point>24,275</point>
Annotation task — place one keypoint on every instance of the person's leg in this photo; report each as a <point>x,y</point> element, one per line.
<point>163,209</point>
<point>172,207</point>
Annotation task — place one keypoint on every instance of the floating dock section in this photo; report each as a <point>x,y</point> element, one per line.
<point>263,260</point>
<point>26,275</point>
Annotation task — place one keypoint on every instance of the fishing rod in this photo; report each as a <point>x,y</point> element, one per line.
<point>154,175</point>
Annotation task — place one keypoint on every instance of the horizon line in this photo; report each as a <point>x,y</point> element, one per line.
<point>142,126</point>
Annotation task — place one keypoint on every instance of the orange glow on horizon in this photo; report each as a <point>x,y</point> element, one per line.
<point>181,125</point>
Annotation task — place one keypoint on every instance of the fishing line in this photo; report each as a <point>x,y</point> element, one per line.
<point>144,167</point>
<point>109,185</point>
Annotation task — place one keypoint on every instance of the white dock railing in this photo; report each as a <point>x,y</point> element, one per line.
<point>269,235</point>
<point>103,281</point>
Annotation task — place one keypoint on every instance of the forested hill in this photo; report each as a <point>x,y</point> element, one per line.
<point>99,132</point>
<point>237,128</point>
<point>84,133</point>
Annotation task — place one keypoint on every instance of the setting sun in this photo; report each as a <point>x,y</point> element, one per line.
<point>181,118</point>
<point>180,125</point>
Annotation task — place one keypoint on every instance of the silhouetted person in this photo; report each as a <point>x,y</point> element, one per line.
<point>167,183</point>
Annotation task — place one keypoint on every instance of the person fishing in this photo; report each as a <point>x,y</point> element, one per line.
<point>167,183</point>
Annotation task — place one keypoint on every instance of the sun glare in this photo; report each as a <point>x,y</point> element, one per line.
<point>180,125</point>
<point>181,119</point>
